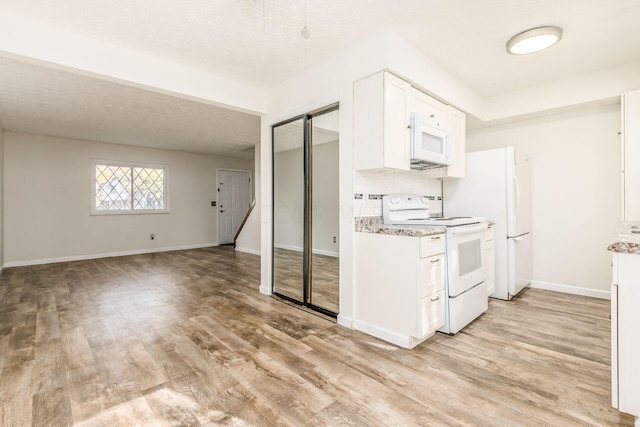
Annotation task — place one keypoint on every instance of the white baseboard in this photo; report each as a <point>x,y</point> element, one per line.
<point>106,255</point>
<point>345,321</point>
<point>567,289</point>
<point>249,251</point>
<point>326,253</point>
<point>315,251</point>
<point>383,334</point>
<point>265,290</point>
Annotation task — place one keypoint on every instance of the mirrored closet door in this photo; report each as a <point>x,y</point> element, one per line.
<point>306,210</point>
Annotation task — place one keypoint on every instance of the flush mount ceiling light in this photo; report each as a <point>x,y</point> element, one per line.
<point>534,40</point>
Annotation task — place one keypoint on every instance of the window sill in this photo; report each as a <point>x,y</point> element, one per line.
<point>109,213</point>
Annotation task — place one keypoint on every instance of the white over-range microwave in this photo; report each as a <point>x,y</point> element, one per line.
<point>430,142</point>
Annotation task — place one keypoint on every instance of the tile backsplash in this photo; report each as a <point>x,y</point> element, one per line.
<point>371,186</point>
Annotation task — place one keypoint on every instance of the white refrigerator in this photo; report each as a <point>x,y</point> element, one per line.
<point>497,186</point>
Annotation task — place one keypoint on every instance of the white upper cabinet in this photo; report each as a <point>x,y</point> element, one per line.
<point>631,155</point>
<point>382,107</point>
<point>420,102</point>
<point>380,120</point>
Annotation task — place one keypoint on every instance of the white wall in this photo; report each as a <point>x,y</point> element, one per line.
<point>332,81</point>
<point>288,190</point>
<point>48,183</point>
<point>575,171</point>
<point>326,201</point>
<point>50,46</point>
<point>249,238</point>
<point>289,199</point>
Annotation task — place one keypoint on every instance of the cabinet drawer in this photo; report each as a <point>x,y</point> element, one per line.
<point>431,275</point>
<point>432,245</point>
<point>430,314</point>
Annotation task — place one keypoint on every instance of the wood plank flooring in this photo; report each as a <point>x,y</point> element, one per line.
<point>184,338</point>
<point>325,278</point>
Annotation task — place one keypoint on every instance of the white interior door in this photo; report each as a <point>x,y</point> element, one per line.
<point>234,197</point>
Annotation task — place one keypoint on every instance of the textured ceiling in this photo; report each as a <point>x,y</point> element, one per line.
<point>258,42</point>
<point>34,99</point>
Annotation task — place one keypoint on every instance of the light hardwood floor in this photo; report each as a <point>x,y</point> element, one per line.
<point>184,338</point>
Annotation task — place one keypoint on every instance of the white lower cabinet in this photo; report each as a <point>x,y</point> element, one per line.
<point>625,342</point>
<point>399,287</point>
<point>490,259</point>
<point>431,314</point>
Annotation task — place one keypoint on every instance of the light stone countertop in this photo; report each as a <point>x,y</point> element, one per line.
<point>623,247</point>
<point>374,225</point>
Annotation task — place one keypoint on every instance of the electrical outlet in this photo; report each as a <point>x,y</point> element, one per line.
<point>152,236</point>
<point>334,239</point>
<point>213,203</point>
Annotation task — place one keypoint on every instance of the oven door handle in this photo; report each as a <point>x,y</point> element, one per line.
<point>467,230</point>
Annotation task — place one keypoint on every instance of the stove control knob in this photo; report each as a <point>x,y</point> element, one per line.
<point>395,200</point>
<point>425,200</point>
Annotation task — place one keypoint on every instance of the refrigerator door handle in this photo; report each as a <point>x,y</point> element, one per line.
<point>517,203</point>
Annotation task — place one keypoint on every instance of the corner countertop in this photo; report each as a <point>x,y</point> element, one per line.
<point>374,225</point>
<point>624,247</point>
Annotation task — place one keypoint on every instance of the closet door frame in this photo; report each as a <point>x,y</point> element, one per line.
<point>307,283</point>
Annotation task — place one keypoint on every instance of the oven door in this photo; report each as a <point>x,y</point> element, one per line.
<point>465,258</point>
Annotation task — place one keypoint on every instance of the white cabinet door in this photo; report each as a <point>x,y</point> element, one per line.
<point>614,345</point>
<point>399,295</point>
<point>431,314</point>
<point>431,275</point>
<point>457,124</point>
<point>631,155</point>
<point>420,102</point>
<point>380,120</point>
<point>396,132</point>
<point>628,298</point>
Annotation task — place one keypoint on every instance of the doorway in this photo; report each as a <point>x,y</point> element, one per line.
<point>234,198</point>
<point>306,210</point>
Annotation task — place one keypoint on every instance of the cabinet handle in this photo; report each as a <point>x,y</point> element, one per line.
<point>432,116</point>
<point>435,260</point>
<point>435,299</point>
<point>635,231</point>
<point>635,226</point>
<point>435,238</point>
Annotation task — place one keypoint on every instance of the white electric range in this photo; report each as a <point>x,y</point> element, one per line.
<point>465,285</point>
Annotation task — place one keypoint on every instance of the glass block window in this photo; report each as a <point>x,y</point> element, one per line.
<point>129,188</point>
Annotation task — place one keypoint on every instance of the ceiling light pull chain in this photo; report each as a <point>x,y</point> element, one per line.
<point>305,31</point>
